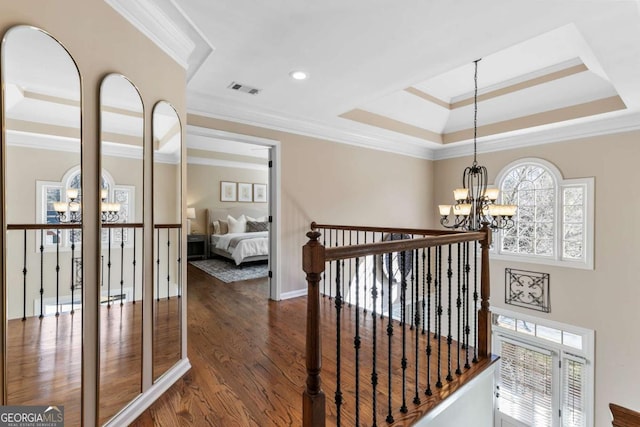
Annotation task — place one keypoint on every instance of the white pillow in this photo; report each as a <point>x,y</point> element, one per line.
<point>261,219</point>
<point>237,225</point>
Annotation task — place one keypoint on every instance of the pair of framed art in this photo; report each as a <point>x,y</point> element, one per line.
<point>242,192</point>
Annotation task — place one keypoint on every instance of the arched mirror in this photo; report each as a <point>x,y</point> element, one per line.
<point>42,170</point>
<point>122,158</point>
<point>167,218</point>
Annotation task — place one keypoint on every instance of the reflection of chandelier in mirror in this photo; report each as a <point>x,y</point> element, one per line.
<point>110,212</point>
<point>475,203</point>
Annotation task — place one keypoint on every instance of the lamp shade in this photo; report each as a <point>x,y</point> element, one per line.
<point>191,213</point>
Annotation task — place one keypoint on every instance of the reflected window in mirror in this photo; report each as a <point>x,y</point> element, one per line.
<point>42,141</point>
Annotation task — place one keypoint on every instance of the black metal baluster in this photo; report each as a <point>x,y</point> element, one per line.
<point>24,279</point>
<point>324,273</point>
<point>41,274</point>
<point>381,280</point>
<point>364,306</point>
<point>179,290</point>
<point>475,301</point>
<point>436,289</point>
<point>135,230</point>
<point>449,336</point>
<point>416,398</point>
<point>411,306</point>
<point>390,337</point>
<point>439,313</point>
<point>109,271</point>
<point>73,279</point>
<point>168,263</point>
<point>158,266</point>
<point>356,343</point>
<point>350,272</point>
<point>403,317</point>
<point>458,305</point>
<point>58,274</point>
<point>338,303</point>
<point>121,266</point>
<point>428,391</point>
<point>343,268</point>
<point>465,303</point>
<point>330,264</point>
<point>424,280</point>
<point>374,372</point>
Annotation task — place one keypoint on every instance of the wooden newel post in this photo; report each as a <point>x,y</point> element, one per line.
<point>484,315</point>
<point>313,399</point>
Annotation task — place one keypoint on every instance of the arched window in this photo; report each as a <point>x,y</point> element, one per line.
<point>49,192</point>
<point>554,221</point>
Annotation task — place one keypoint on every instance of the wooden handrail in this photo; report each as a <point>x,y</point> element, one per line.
<point>422,231</point>
<point>167,226</point>
<point>623,417</point>
<point>68,226</point>
<point>389,246</point>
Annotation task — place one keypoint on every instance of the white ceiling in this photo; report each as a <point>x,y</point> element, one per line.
<point>385,74</point>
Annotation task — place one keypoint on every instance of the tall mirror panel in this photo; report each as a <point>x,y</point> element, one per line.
<point>167,218</point>
<point>43,278</point>
<point>121,192</point>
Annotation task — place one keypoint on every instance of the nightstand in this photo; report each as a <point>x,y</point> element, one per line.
<point>197,246</point>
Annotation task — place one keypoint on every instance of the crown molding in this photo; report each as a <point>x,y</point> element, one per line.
<point>228,136</point>
<point>609,123</point>
<point>192,160</point>
<point>225,109</point>
<point>151,20</point>
<point>42,142</point>
<point>559,133</point>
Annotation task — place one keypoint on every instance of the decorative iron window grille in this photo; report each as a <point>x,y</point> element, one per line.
<point>527,289</point>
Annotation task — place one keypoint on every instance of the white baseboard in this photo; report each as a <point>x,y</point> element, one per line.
<point>146,399</point>
<point>293,294</point>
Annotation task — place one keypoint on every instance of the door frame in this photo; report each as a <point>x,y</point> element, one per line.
<point>274,186</point>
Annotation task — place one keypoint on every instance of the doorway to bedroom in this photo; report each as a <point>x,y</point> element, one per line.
<point>232,206</point>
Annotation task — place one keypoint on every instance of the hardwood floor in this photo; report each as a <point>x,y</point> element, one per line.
<point>44,357</point>
<point>248,361</point>
<point>248,366</point>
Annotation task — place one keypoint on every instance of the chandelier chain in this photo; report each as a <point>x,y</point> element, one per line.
<point>475,111</point>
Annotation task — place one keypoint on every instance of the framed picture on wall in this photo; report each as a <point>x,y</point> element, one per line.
<point>228,191</point>
<point>244,192</point>
<point>260,193</point>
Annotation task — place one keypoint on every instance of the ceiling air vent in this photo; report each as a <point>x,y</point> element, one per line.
<point>244,88</point>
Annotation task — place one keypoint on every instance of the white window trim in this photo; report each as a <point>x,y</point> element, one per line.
<point>587,262</point>
<point>560,352</point>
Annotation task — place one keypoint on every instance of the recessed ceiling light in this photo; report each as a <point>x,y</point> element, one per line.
<point>299,75</point>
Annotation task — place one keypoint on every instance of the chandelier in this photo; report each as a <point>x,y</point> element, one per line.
<point>69,212</point>
<point>475,203</point>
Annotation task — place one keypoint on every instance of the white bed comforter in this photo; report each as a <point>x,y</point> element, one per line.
<point>243,245</point>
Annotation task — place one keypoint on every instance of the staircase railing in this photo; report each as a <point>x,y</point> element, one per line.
<point>413,302</point>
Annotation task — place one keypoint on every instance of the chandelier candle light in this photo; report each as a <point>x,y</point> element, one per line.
<point>110,212</point>
<point>475,203</point>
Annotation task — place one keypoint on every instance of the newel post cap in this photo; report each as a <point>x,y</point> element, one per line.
<point>313,254</point>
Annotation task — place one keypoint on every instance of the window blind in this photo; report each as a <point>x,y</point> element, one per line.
<point>526,384</point>
<point>573,398</point>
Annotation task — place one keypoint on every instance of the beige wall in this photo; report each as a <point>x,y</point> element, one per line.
<point>101,42</point>
<point>606,298</point>
<point>338,184</point>
<point>203,189</point>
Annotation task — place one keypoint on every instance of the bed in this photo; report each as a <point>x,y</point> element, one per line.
<point>238,234</point>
